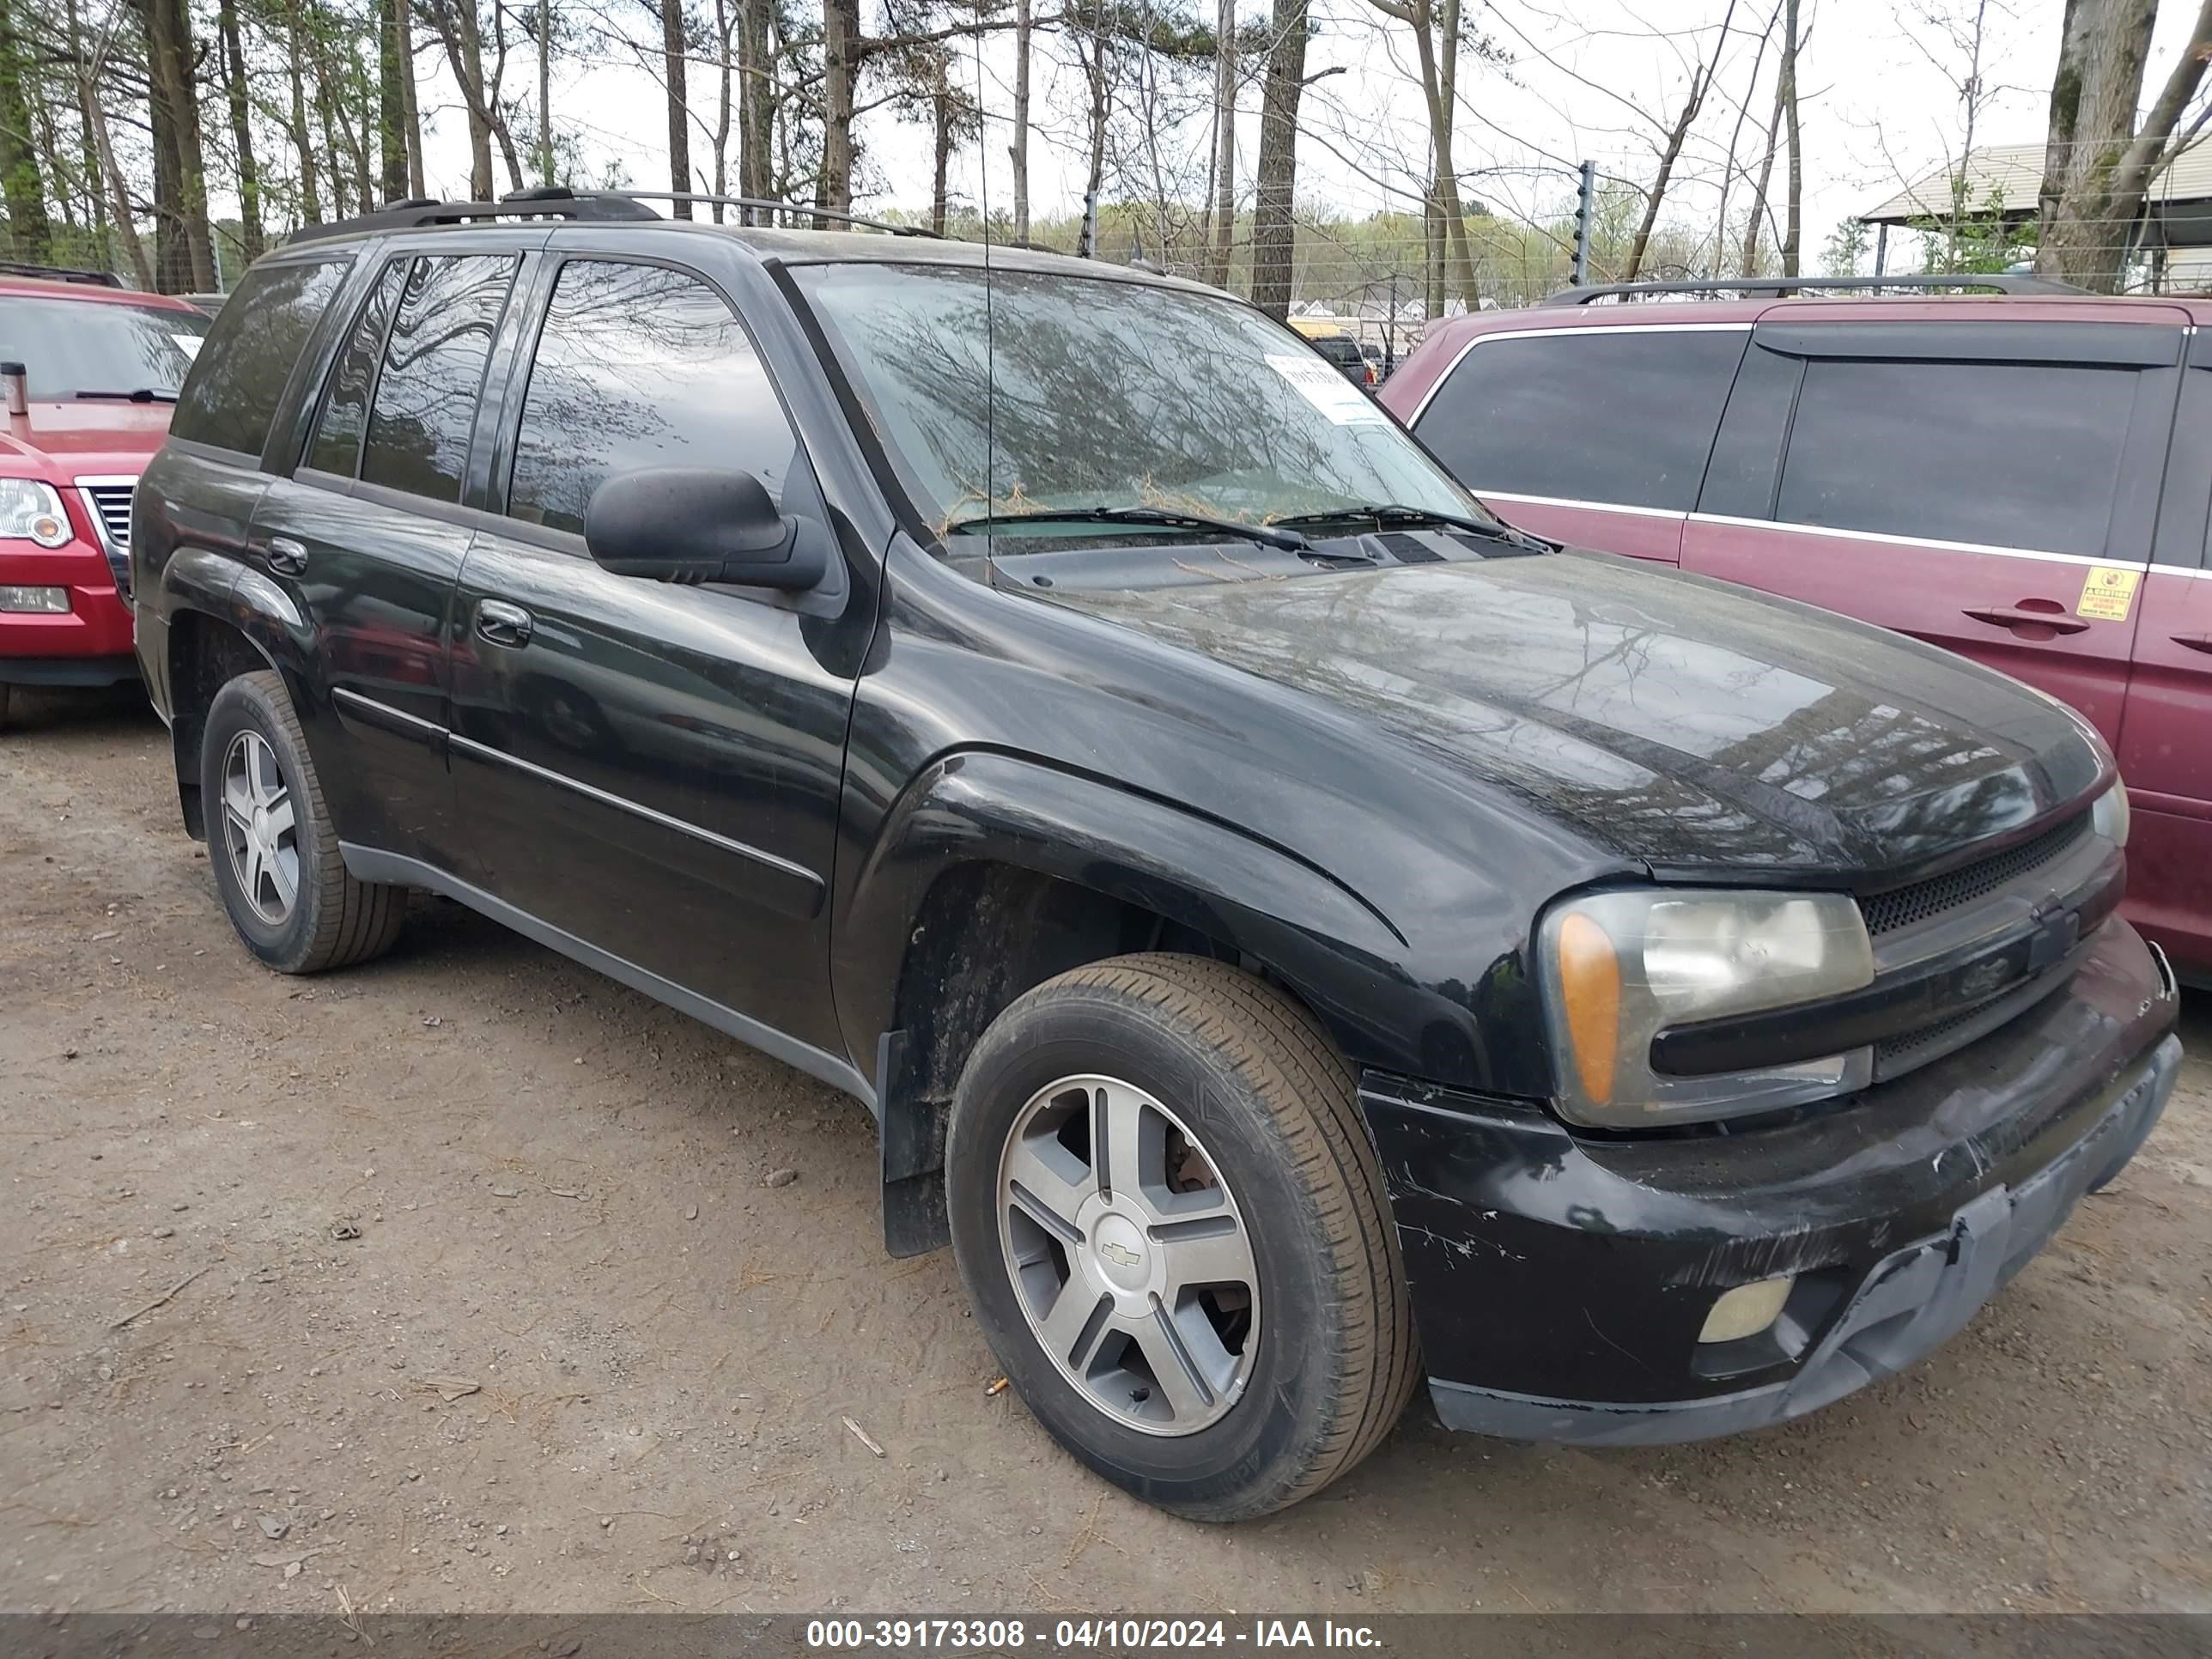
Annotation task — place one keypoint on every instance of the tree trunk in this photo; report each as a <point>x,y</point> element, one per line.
<point>941,110</point>
<point>241,131</point>
<point>29,230</point>
<point>1735,135</point>
<point>405,12</point>
<point>462,37</point>
<point>725,99</point>
<point>302,140</point>
<point>841,67</point>
<point>1223,231</point>
<point>1096,75</point>
<point>112,181</point>
<point>1750,265</point>
<point>672,48</point>
<point>1018,151</point>
<point>1794,223</point>
<point>184,257</point>
<point>1274,229</point>
<point>391,101</point>
<point>2097,167</point>
<point>756,100</point>
<point>544,91</point>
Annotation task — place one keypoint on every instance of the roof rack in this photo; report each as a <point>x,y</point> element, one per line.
<point>62,274</point>
<point>752,205</point>
<point>1780,287</point>
<point>560,202</point>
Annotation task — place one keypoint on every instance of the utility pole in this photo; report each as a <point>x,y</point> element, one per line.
<point>1585,210</point>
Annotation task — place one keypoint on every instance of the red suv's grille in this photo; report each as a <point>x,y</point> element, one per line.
<point>1903,906</point>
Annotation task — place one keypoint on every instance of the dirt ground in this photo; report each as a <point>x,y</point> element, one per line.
<point>496,1309</point>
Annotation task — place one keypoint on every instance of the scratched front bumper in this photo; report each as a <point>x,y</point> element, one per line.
<point>1561,1281</point>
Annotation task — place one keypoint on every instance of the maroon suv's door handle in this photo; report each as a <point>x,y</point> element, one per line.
<point>2195,641</point>
<point>2013,616</point>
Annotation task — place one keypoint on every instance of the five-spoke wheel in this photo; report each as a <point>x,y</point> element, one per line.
<point>1133,1261</point>
<point>258,830</point>
<point>1170,1217</point>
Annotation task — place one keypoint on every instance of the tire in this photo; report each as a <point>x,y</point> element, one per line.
<point>1224,1065</point>
<point>331,920</point>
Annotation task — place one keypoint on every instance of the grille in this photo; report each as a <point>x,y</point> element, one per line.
<point>112,503</point>
<point>1901,906</point>
<point>1891,1052</point>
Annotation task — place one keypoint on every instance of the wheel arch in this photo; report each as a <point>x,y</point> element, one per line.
<point>994,873</point>
<point>219,624</point>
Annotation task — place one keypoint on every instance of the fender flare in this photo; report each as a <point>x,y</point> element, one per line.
<point>1330,946</point>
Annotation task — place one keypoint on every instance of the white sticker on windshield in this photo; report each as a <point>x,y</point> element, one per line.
<point>1326,390</point>
<point>187,343</point>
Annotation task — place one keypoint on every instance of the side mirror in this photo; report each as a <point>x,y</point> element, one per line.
<point>696,524</point>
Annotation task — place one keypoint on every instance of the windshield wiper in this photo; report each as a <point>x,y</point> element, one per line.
<point>1160,517</point>
<point>1396,512</point>
<point>144,394</point>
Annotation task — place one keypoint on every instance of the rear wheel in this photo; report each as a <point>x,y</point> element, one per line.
<point>275,854</point>
<point>1173,1225</point>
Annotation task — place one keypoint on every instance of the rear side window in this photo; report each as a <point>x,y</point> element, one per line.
<point>2004,454</point>
<point>336,447</point>
<point>425,405</point>
<point>1341,349</point>
<point>640,367</point>
<point>238,375</point>
<point>1626,419</point>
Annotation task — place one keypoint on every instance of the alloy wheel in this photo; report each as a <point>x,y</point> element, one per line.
<point>258,828</point>
<point>1129,1256</point>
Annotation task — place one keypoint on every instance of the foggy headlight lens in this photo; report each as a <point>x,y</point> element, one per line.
<point>2109,817</point>
<point>1619,968</point>
<point>31,511</point>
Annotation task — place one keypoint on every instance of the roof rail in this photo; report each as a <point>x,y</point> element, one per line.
<point>750,205</point>
<point>62,274</point>
<point>560,202</point>
<point>548,202</point>
<point>1780,287</point>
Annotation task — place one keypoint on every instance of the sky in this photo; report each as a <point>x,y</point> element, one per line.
<point>1590,79</point>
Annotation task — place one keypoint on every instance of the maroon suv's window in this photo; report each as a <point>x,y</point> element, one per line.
<point>2004,454</point>
<point>1623,418</point>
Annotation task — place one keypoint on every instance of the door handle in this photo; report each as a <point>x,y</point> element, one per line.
<point>286,556</point>
<point>2195,641</point>
<point>501,624</point>
<point>2021,616</point>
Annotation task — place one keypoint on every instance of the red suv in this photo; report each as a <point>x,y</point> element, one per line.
<point>89,373</point>
<point>2023,477</point>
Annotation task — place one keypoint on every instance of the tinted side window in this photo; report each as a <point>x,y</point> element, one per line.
<point>336,447</point>
<point>2009,455</point>
<point>238,378</point>
<point>434,365</point>
<point>639,367</point>
<point>1625,418</point>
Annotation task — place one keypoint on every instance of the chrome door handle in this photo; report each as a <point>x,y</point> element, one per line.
<point>286,556</point>
<point>2014,615</point>
<point>501,624</point>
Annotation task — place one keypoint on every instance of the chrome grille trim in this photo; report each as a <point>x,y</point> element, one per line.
<point>107,499</point>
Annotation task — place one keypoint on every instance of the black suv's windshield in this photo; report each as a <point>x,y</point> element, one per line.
<point>80,348</point>
<point>1054,391</point>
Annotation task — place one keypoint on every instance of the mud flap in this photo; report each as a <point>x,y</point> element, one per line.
<point>912,1138</point>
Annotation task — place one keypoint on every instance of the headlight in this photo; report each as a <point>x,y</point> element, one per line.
<point>2109,817</point>
<point>1619,968</point>
<point>30,511</point>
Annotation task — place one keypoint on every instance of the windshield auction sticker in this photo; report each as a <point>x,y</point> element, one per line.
<point>2108,593</point>
<point>1326,390</point>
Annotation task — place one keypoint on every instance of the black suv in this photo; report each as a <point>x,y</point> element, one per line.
<point>1271,910</point>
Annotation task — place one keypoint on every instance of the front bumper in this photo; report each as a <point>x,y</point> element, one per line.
<point>1561,1282</point>
<point>90,644</point>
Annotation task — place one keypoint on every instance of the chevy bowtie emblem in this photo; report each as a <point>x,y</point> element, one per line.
<point>1120,1255</point>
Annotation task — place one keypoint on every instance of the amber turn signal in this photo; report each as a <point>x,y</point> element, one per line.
<point>1589,986</point>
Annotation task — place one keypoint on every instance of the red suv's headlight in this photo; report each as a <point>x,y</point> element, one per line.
<point>31,511</point>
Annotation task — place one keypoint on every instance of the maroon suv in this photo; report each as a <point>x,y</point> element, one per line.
<point>2024,479</point>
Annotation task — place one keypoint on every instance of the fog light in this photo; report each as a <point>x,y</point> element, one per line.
<point>1746,1310</point>
<point>53,600</point>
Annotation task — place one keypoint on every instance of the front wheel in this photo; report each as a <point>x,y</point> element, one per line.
<point>1174,1228</point>
<point>275,854</point>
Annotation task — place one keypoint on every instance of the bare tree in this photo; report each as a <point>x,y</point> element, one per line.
<point>1221,231</point>
<point>673,48</point>
<point>2098,165</point>
<point>1793,237</point>
<point>241,131</point>
<point>1017,151</point>
<point>1274,230</point>
<point>1700,79</point>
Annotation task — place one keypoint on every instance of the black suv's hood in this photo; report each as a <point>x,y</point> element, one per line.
<point>1681,721</point>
